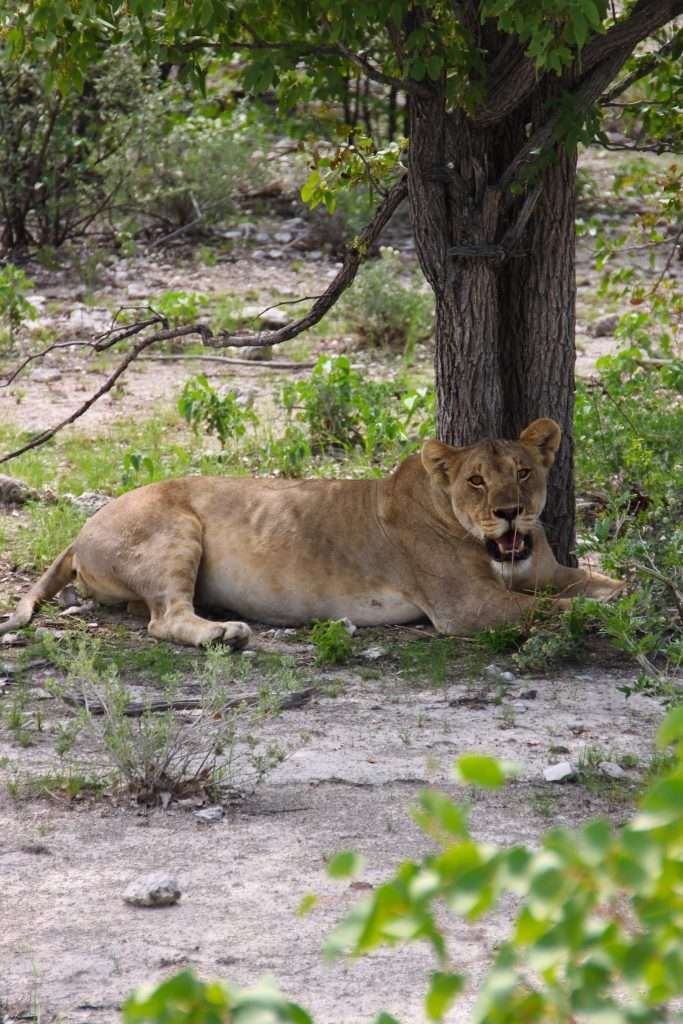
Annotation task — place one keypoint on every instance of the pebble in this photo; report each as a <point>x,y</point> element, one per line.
<point>214,813</point>
<point>498,673</point>
<point>90,501</point>
<point>611,770</point>
<point>604,326</point>
<point>11,638</point>
<point>13,492</point>
<point>561,772</point>
<point>373,653</point>
<point>45,376</point>
<point>69,598</point>
<point>267,318</point>
<point>155,890</point>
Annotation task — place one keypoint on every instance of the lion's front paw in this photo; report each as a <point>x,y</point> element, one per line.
<point>235,634</point>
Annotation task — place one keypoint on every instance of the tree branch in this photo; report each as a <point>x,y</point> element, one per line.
<point>355,254</point>
<point>647,65</point>
<point>513,82</point>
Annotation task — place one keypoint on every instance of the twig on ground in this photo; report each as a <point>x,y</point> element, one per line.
<point>136,709</point>
<point>270,364</point>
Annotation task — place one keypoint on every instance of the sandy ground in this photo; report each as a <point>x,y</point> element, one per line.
<point>72,948</point>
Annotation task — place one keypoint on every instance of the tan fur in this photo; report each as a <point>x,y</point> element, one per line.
<point>284,552</point>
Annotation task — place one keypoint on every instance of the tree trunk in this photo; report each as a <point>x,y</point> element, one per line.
<point>505,297</point>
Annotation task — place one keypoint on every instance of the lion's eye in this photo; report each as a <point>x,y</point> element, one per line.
<point>476,481</point>
<point>522,474</point>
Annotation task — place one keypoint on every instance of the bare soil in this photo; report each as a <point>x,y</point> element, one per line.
<point>72,950</point>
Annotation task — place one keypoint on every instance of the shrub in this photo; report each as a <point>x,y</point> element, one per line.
<point>14,306</point>
<point>190,168</point>
<point>156,752</point>
<point>219,413</point>
<point>54,179</point>
<point>342,410</point>
<point>332,642</point>
<point>384,311</point>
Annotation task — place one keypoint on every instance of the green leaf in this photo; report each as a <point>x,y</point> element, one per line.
<point>306,904</point>
<point>443,989</point>
<point>480,770</point>
<point>671,728</point>
<point>345,864</point>
<point>438,809</point>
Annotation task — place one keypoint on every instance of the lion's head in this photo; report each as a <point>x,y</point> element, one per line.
<point>497,489</point>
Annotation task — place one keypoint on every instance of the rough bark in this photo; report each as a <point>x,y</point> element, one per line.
<point>503,280</point>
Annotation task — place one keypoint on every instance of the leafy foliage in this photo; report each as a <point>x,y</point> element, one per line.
<point>218,413</point>
<point>332,642</point>
<point>383,310</point>
<point>14,305</point>
<point>342,409</point>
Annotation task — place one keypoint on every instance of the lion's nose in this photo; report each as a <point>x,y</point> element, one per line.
<point>507,513</point>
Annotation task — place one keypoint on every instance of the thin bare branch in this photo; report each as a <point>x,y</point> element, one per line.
<point>647,65</point>
<point>355,254</point>
<point>39,439</point>
<point>268,364</point>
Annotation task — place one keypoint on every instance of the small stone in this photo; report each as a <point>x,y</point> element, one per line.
<point>561,772</point>
<point>13,492</point>
<point>258,353</point>
<point>283,237</point>
<point>89,502</point>
<point>374,652</point>
<point>155,890</point>
<point>11,638</point>
<point>495,672</point>
<point>45,376</point>
<point>528,694</point>
<point>604,326</point>
<point>69,598</point>
<point>214,813</point>
<point>611,770</point>
<point>78,609</point>
<point>42,633</point>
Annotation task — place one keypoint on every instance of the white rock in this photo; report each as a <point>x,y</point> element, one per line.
<point>89,502</point>
<point>44,376</point>
<point>214,813</point>
<point>373,653</point>
<point>154,890</point>
<point>611,770</point>
<point>563,771</point>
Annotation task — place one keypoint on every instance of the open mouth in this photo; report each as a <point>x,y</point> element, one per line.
<point>511,547</point>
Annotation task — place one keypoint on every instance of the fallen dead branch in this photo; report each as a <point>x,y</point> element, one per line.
<point>136,709</point>
<point>355,254</point>
<point>268,364</point>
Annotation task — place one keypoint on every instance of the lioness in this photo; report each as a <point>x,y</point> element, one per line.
<point>452,535</point>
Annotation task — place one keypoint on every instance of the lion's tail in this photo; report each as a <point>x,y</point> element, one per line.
<point>50,583</point>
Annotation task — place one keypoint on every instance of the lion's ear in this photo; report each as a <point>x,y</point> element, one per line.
<point>440,461</point>
<point>545,435</point>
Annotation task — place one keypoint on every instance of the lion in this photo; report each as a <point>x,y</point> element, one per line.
<point>453,535</point>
